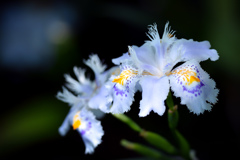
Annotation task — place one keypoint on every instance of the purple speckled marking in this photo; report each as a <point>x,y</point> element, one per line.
<point>118,91</point>
<point>89,126</point>
<point>196,89</point>
<point>121,92</point>
<point>124,92</point>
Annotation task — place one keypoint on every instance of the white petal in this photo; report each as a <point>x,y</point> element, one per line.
<point>67,123</point>
<point>121,59</point>
<point>154,93</point>
<point>194,87</point>
<point>64,128</point>
<point>153,32</point>
<point>80,74</point>
<point>122,90</point>
<point>98,99</point>
<point>160,47</point>
<point>108,98</point>
<point>103,77</point>
<point>145,58</point>
<point>83,86</point>
<point>122,98</point>
<point>98,113</point>
<point>168,34</point>
<point>199,51</point>
<point>68,97</point>
<point>157,47</point>
<point>95,64</point>
<point>90,130</point>
<point>113,71</point>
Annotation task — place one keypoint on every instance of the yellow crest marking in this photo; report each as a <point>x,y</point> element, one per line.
<point>125,74</point>
<point>76,121</point>
<point>188,75</point>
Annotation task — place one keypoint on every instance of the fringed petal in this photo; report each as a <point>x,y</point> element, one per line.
<point>95,64</point>
<point>192,50</point>
<point>90,130</point>
<point>154,93</point>
<point>122,90</point>
<point>193,85</point>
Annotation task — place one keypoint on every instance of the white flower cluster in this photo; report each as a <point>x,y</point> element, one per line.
<point>150,69</point>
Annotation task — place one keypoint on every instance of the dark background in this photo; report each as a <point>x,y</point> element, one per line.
<point>42,40</point>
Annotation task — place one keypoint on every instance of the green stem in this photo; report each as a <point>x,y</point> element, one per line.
<point>144,150</point>
<point>183,144</point>
<point>152,138</point>
<point>173,118</point>
<point>172,112</point>
<point>134,126</point>
<point>169,101</point>
<point>158,141</point>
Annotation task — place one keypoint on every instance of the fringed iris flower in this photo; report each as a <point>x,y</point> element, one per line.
<point>85,98</point>
<point>84,121</point>
<point>150,69</point>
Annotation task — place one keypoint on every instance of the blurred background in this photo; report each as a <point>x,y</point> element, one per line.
<point>42,40</point>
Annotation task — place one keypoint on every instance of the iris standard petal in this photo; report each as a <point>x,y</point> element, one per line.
<point>154,93</point>
<point>193,85</point>
<point>145,58</point>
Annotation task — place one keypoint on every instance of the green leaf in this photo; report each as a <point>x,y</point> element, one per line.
<point>158,141</point>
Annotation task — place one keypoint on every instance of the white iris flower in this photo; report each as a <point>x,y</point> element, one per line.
<point>86,124</point>
<point>150,69</point>
<point>86,98</point>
